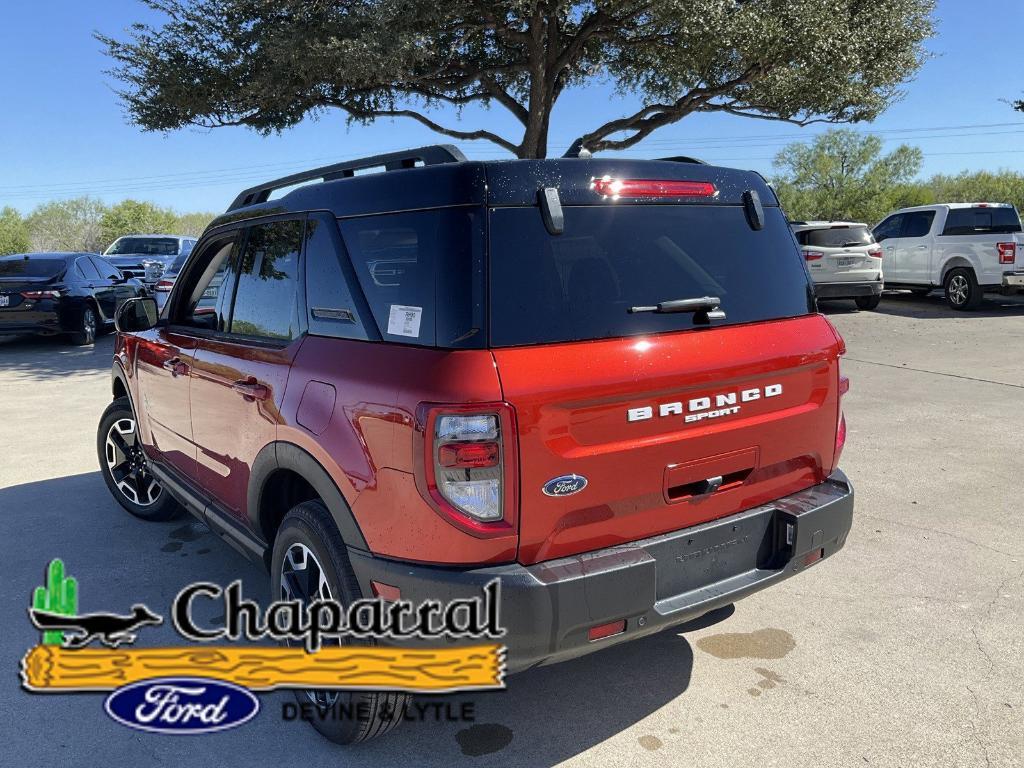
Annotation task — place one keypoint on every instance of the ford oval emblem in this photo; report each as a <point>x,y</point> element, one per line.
<point>566,485</point>
<point>182,705</point>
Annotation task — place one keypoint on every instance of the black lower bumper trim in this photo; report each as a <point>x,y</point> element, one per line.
<point>549,608</point>
<point>847,290</point>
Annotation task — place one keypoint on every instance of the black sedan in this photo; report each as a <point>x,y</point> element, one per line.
<point>51,293</point>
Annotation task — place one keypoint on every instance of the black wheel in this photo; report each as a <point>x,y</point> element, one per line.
<point>310,562</point>
<point>868,302</point>
<point>88,323</point>
<point>123,466</point>
<point>962,290</point>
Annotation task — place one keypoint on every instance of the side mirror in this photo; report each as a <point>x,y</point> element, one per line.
<point>136,315</point>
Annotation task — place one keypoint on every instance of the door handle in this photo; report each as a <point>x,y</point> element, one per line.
<point>921,247</point>
<point>175,366</point>
<point>251,390</point>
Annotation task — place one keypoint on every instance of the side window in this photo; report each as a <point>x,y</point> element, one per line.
<point>86,270</point>
<point>889,228</point>
<point>919,223</point>
<point>106,270</point>
<point>266,294</point>
<point>422,274</point>
<point>331,307</point>
<point>195,300</point>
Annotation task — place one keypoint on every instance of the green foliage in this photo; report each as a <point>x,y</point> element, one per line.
<point>13,232</point>
<point>192,223</point>
<point>268,64</point>
<point>131,217</point>
<point>59,595</point>
<point>67,225</point>
<point>87,224</point>
<point>843,174</point>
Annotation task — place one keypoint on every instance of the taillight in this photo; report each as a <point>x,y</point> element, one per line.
<point>164,286</point>
<point>616,188</point>
<point>813,255</point>
<point>875,252</point>
<point>1007,252</point>
<point>41,294</point>
<point>468,464</point>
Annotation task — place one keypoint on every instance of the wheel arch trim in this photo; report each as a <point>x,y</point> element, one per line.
<point>284,455</point>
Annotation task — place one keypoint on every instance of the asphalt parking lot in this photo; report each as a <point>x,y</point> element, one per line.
<point>904,649</point>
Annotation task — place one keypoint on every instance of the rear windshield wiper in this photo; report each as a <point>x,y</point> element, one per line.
<point>704,308</point>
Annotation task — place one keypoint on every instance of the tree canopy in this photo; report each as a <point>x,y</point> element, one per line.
<point>843,174</point>
<point>132,217</point>
<point>13,232</point>
<point>268,64</point>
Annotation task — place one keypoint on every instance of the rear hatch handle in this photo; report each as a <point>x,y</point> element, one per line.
<point>704,309</point>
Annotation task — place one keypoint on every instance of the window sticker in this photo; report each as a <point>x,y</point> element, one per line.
<point>404,321</point>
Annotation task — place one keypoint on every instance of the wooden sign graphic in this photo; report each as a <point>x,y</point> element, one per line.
<point>51,668</point>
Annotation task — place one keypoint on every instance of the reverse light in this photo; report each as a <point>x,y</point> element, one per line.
<point>1007,252</point>
<point>813,255</point>
<point>468,465</point>
<point>41,294</point>
<point>616,188</point>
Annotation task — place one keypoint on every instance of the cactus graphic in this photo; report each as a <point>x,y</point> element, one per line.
<point>60,595</point>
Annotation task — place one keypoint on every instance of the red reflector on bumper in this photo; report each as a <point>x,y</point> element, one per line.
<point>814,556</point>
<point>385,591</point>
<point>602,631</point>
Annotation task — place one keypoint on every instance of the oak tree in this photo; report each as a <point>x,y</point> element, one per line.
<point>268,64</point>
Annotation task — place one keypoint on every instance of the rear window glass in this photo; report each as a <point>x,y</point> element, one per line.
<point>580,285</point>
<point>149,246</point>
<point>422,274</point>
<point>22,267</point>
<point>835,237</point>
<point>970,221</point>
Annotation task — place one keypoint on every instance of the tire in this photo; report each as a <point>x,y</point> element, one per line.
<point>88,323</point>
<point>308,532</point>
<point>962,290</point>
<point>123,466</point>
<point>868,303</point>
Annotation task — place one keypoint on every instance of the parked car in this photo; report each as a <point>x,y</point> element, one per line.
<point>147,257</point>
<point>844,260</point>
<point>162,288</point>
<point>615,395</point>
<point>72,293</point>
<point>966,248</point>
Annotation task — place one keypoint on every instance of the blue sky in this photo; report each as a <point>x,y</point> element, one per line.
<point>63,133</point>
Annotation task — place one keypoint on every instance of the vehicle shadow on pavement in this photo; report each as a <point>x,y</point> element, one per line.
<point>45,357</point>
<point>544,715</point>
<point>932,306</point>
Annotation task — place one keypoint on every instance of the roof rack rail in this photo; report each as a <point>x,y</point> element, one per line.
<point>392,161</point>
<point>683,159</point>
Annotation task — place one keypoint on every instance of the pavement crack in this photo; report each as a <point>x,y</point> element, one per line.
<point>935,373</point>
<point>939,532</point>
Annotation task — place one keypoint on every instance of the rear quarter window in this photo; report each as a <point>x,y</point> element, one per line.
<point>422,274</point>
<point>981,221</point>
<point>581,284</point>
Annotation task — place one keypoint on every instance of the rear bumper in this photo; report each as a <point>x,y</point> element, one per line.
<point>549,608</point>
<point>849,290</point>
<point>16,322</point>
<point>1013,280</point>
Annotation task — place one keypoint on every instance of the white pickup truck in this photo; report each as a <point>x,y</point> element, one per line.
<point>967,248</point>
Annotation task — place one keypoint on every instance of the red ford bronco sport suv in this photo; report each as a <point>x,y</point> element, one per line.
<point>603,382</point>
